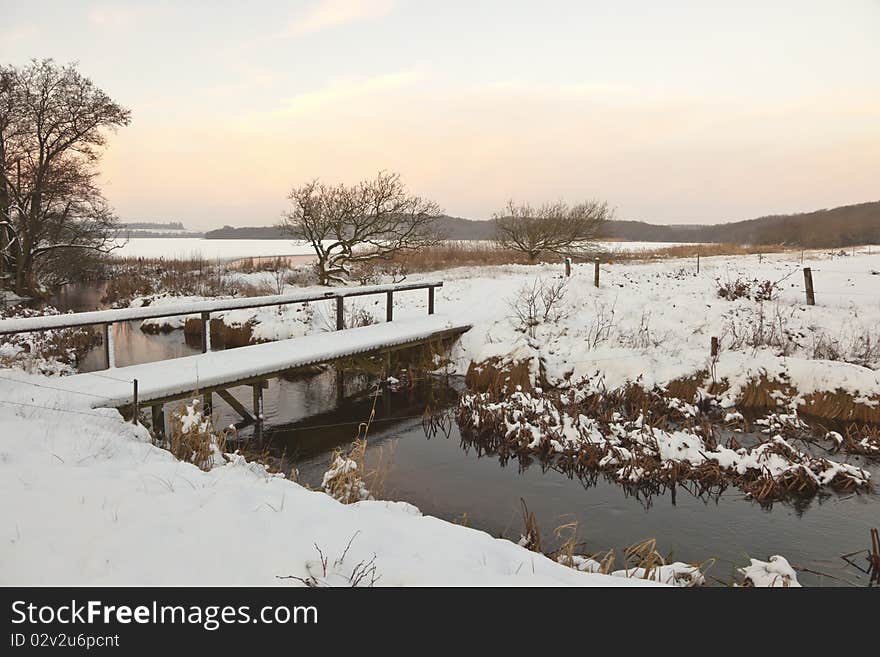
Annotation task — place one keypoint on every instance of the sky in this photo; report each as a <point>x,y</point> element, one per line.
<point>673,112</point>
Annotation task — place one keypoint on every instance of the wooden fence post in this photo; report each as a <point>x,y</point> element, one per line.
<point>596,273</point>
<point>698,262</point>
<point>713,351</point>
<point>808,287</point>
<point>430,300</point>
<point>340,318</point>
<point>567,267</point>
<point>389,306</point>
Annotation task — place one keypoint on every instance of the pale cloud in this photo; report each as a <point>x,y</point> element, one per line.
<point>14,36</point>
<point>117,15</point>
<point>326,14</point>
<point>347,89</point>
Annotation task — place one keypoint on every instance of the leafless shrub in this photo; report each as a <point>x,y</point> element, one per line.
<point>539,303</point>
<point>642,336</point>
<point>856,345</point>
<point>602,323</point>
<point>754,327</point>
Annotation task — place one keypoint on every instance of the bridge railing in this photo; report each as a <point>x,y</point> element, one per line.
<point>106,318</point>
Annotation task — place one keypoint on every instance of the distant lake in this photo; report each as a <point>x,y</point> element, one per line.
<point>187,247</point>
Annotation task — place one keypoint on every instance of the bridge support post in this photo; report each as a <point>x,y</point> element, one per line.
<point>158,413</point>
<point>340,384</point>
<point>135,409</point>
<point>258,409</point>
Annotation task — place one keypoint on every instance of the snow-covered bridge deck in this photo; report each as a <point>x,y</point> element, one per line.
<point>216,370</point>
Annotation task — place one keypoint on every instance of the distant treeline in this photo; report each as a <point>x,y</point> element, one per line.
<point>843,226</point>
<point>152,225</point>
<point>453,228</point>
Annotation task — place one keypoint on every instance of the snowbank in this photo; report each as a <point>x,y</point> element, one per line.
<point>88,500</point>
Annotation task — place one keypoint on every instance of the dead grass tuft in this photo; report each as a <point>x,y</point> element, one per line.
<point>194,438</point>
<point>344,481</point>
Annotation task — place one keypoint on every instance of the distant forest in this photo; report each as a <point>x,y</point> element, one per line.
<point>844,226</point>
<point>152,225</point>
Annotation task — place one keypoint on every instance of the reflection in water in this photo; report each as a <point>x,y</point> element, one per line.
<point>438,472</point>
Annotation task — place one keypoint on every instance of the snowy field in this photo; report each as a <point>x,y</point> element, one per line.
<point>186,247</point>
<point>90,501</point>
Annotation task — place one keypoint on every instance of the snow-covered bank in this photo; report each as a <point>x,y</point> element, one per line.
<point>88,500</point>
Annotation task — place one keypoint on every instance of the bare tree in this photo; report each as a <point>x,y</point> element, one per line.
<point>372,220</point>
<point>53,122</point>
<point>551,228</point>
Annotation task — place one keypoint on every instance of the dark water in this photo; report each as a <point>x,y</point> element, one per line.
<point>433,470</point>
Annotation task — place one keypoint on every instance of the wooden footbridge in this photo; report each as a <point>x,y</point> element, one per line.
<point>154,384</point>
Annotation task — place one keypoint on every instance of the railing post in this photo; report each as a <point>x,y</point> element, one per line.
<point>389,306</point>
<point>808,287</point>
<point>698,261</point>
<point>430,300</point>
<point>567,267</point>
<point>596,273</point>
<point>135,411</point>
<point>206,332</point>
<point>109,356</point>
<point>340,318</point>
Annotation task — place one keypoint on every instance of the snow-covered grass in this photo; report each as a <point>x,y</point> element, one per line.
<point>649,322</point>
<point>91,501</point>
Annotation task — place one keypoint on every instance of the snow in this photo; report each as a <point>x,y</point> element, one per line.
<point>93,502</point>
<point>774,573</point>
<point>89,501</point>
